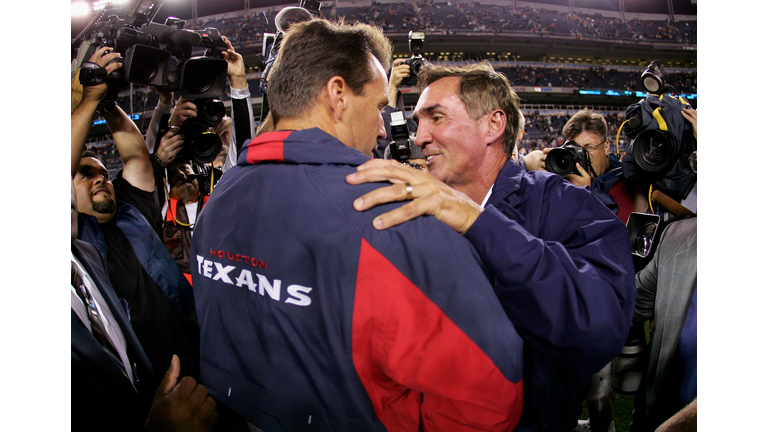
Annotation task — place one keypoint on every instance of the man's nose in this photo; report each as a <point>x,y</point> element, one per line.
<point>423,137</point>
<point>382,128</point>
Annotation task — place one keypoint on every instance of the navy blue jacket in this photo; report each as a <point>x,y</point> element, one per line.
<point>311,319</point>
<point>561,265</point>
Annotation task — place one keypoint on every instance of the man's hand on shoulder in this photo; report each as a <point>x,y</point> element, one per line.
<point>428,196</point>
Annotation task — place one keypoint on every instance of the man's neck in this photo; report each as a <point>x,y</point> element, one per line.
<point>479,187</point>
<point>313,120</point>
<point>102,217</point>
<point>186,198</point>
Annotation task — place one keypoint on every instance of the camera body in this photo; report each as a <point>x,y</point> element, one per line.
<point>402,148</point>
<point>159,55</point>
<point>200,143</point>
<point>205,175</point>
<point>416,61</point>
<point>563,160</point>
<point>661,139</point>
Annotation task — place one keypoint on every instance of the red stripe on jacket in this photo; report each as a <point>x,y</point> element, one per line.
<point>403,346</point>
<point>269,148</point>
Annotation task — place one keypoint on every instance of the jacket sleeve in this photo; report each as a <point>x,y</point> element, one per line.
<point>563,272</point>
<point>243,126</point>
<point>420,366</point>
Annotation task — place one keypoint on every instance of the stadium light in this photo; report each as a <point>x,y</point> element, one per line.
<point>101,4</point>
<point>80,9</point>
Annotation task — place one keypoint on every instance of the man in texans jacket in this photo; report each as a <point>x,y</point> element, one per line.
<point>310,318</point>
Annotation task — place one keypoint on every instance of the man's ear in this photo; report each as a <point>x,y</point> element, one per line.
<point>496,125</point>
<point>335,93</point>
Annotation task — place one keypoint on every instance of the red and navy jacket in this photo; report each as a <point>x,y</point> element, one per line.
<point>311,319</point>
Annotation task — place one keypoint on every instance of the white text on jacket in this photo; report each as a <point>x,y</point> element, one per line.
<point>297,294</point>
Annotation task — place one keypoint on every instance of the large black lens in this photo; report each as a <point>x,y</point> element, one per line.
<point>146,65</point>
<point>655,151</point>
<point>205,147</point>
<point>203,77</point>
<point>210,112</point>
<point>197,79</point>
<point>560,161</point>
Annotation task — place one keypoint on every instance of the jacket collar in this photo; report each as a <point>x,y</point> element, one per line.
<point>307,146</point>
<point>507,183</point>
<point>504,196</point>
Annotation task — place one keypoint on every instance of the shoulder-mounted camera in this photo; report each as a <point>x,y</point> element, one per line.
<point>661,138</point>
<point>162,55</point>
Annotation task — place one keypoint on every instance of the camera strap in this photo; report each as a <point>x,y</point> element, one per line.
<point>91,74</point>
<point>660,119</point>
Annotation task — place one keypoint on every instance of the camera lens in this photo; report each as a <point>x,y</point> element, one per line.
<point>205,147</point>
<point>212,113</point>
<point>416,66</point>
<point>561,162</point>
<point>655,151</point>
<point>644,239</point>
<point>143,72</point>
<point>196,79</point>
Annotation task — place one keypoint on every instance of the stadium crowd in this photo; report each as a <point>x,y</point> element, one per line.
<point>458,16</point>
<point>316,286</point>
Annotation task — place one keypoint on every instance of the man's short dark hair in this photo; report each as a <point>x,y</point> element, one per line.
<point>482,90</point>
<point>586,120</point>
<point>313,52</point>
<point>92,154</point>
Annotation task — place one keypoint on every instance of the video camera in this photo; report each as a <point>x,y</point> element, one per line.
<point>402,148</point>
<point>159,55</point>
<point>563,160</point>
<point>662,151</point>
<point>416,61</point>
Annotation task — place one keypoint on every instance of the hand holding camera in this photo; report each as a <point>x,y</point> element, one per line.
<point>570,161</point>
<point>184,109</point>
<point>170,145</point>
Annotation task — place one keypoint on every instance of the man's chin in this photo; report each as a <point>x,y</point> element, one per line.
<point>104,206</point>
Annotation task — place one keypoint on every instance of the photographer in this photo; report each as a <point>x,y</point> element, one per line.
<point>111,375</point>
<point>176,176</point>
<point>589,130</point>
<point>122,220</point>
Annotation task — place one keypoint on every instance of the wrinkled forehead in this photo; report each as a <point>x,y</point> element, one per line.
<point>443,94</point>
